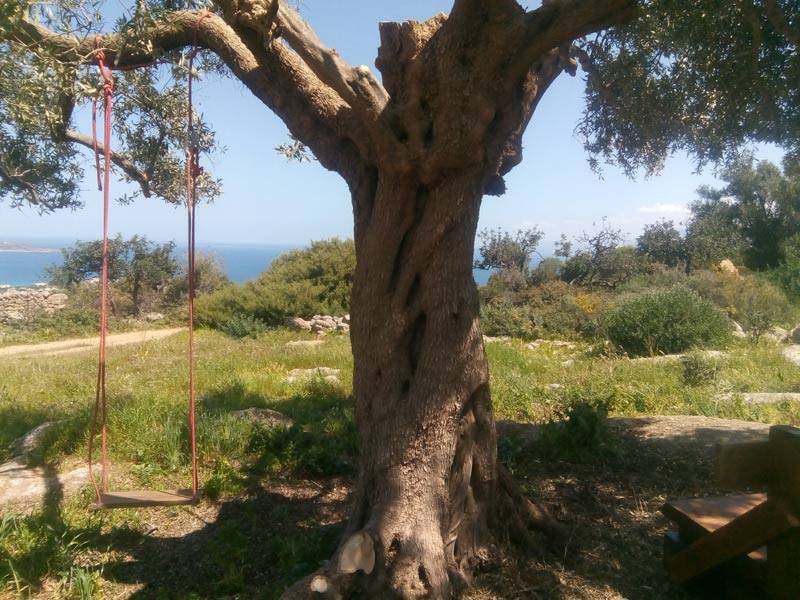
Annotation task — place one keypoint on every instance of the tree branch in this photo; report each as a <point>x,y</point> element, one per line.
<point>314,113</point>
<point>559,22</point>
<point>120,160</point>
<point>357,86</point>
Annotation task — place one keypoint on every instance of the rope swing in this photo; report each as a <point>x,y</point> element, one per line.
<point>142,498</point>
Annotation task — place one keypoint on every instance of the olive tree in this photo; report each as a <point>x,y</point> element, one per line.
<point>419,147</point>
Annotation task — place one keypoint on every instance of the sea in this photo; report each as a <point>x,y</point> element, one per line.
<point>241,262</point>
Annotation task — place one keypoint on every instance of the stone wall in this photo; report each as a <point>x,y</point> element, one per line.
<point>20,304</point>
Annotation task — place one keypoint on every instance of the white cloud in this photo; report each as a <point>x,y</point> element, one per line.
<point>664,209</point>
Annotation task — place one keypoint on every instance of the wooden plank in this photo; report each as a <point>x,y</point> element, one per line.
<point>146,498</point>
<point>699,516</point>
<point>783,571</point>
<point>743,465</point>
<point>740,536</point>
<point>785,463</point>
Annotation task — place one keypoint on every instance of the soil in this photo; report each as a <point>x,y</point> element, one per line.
<point>71,346</point>
<point>234,548</point>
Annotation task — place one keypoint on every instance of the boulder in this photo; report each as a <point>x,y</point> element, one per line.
<point>726,266</point>
<point>26,444</point>
<point>552,344</point>
<point>298,324</point>
<point>777,334</point>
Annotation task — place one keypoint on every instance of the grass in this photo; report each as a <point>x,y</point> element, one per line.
<point>77,553</point>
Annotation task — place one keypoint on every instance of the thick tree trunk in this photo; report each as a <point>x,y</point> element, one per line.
<point>429,495</point>
<point>421,386</point>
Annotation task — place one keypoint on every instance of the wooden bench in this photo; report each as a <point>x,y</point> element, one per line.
<point>760,531</point>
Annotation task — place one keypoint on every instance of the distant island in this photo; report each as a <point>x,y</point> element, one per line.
<point>9,247</point>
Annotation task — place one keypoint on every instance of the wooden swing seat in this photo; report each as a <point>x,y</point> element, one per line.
<point>146,498</point>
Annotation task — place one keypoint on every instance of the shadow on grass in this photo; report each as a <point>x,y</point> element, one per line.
<point>255,548</point>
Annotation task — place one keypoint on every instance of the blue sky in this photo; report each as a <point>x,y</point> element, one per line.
<point>267,200</point>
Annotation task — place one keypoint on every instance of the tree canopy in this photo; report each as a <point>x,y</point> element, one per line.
<point>666,76</point>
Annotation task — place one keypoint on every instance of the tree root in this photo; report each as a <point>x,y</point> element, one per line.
<point>363,568</point>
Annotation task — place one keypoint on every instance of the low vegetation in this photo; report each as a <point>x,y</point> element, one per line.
<point>72,548</point>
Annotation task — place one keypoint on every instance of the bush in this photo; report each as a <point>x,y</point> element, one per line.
<point>582,438</point>
<point>501,317</point>
<point>698,368</point>
<point>667,321</point>
<point>242,326</point>
<point>315,280</point>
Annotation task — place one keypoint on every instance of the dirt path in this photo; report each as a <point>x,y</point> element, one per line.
<point>80,344</point>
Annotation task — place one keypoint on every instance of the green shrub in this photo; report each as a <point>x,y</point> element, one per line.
<point>242,326</point>
<point>502,318</point>
<point>698,368</point>
<point>583,437</point>
<point>666,321</point>
<point>315,280</point>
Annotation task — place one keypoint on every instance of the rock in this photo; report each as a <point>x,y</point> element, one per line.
<point>59,300</point>
<point>568,363</point>
<point>762,397</point>
<point>343,327</point>
<point>792,353</point>
<point>153,316</point>
<point>298,324</point>
<point>266,417</point>
<point>552,344</point>
<point>553,386</point>
<point>24,303</point>
<point>26,444</point>
<point>726,266</point>
<point>794,335</point>
<point>23,489</point>
<point>777,334</point>
<point>487,339</point>
<point>325,373</point>
<point>738,330</point>
<point>346,319</point>
<point>305,343</point>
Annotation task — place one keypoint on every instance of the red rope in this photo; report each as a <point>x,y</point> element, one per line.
<point>100,405</point>
<point>193,171</point>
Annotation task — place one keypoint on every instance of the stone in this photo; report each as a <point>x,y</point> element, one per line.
<point>24,303</point>
<point>792,353</point>
<point>777,335</point>
<point>29,442</point>
<point>552,344</point>
<point>153,316</point>
<point>346,319</point>
<point>343,327</point>
<point>58,299</point>
<point>24,489</point>
<point>762,397</point>
<point>305,343</point>
<point>738,330</point>
<point>487,339</point>
<point>266,417</point>
<point>794,335</point>
<point>324,373</point>
<point>568,363</point>
<point>726,266</point>
<point>298,324</point>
